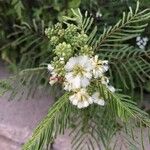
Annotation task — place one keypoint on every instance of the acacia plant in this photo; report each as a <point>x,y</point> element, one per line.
<point>94,73</point>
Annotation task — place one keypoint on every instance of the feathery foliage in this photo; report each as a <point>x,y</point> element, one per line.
<point>52,125</point>
<point>128,63</point>
<point>89,125</point>
<point>4,86</point>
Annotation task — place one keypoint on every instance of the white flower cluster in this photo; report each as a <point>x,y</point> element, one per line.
<point>141,42</point>
<point>53,79</point>
<point>80,71</point>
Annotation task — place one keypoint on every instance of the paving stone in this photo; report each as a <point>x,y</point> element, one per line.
<point>19,118</point>
<point>8,144</point>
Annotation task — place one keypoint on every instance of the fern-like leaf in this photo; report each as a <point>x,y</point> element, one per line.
<point>130,26</point>
<point>5,85</point>
<point>51,125</point>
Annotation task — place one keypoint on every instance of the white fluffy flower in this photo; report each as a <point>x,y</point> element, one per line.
<point>99,66</point>
<point>77,81</point>
<point>111,88</point>
<point>53,80</point>
<point>78,71</point>
<point>96,99</point>
<point>141,42</point>
<point>68,86</point>
<point>104,80</point>
<point>50,67</point>
<point>81,99</point>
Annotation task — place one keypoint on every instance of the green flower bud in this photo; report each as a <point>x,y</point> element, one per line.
<point>54,40</point>
<point>58,26</point>
<point>86,50</point>
<point>48,32</point>
<point>59,66</point>
<point>70,32</point>
<point>56,58</point>
<point>61,33</point>
<point>82,38</point>
<point>63,50</point>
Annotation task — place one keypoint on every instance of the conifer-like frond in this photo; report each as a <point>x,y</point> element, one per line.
<point>95,127</point>
<point>54,123</point>
<point>85,140</point>
<point>130,26</point>
<point>91,128</point>
<point>30,39</point>
<point>85,23</point>
<point>128,64</point>
<point>5,86</point>
<point>123,106</point>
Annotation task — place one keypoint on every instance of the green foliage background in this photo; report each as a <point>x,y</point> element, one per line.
<point>16,16</point>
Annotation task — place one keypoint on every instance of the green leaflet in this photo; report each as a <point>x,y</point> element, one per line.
<point>47,130</point>
<point>5,86</point>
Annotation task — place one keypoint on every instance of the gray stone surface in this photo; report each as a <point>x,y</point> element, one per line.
<point>19,118</point>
